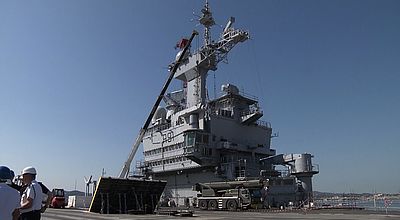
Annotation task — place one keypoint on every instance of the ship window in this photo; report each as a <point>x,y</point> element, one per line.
<point>190,139</point>
<point>207,151</point>
<point>225,113</point>
<point>198,138</point>
<point>205,138</point>
<point>223,159</point>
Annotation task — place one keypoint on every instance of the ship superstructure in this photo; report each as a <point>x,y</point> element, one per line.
<point>193,139</point>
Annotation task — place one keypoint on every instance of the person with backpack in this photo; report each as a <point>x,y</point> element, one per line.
<point>31,200</point>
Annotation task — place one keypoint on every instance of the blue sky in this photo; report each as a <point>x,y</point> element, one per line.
<point>78,79</point>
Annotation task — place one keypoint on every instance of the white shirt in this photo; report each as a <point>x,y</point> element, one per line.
<point>9,201</point>
<point>33,191</point>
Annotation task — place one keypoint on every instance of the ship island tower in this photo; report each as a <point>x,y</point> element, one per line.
<point>193,139</point>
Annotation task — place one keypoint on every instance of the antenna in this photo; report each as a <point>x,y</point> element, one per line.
<point>215,87</point>
<point>88,182</point>
<point>207,21</point>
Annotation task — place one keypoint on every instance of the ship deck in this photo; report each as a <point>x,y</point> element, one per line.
<point>74,214</point>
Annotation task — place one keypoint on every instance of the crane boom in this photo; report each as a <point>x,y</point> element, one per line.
<point>135,146</point>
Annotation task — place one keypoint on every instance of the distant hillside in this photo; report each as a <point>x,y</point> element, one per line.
<point>330,194</point>
<point>321,195</point>
<point>74,193</point>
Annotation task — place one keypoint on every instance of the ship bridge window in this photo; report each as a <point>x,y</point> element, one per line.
<point>225,113</point>
<point>201,138</point>
<point>190,138</point>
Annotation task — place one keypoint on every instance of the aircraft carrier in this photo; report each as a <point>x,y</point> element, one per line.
<point>195,139</point>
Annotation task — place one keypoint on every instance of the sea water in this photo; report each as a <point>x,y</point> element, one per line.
<point>379,205</point>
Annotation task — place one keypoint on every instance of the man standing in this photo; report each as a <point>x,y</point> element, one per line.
<point>9,197</point>
<point>31,200</point>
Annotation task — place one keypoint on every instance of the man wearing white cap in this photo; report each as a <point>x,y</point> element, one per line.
<point>9,197</point>
<point>31,200</point>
